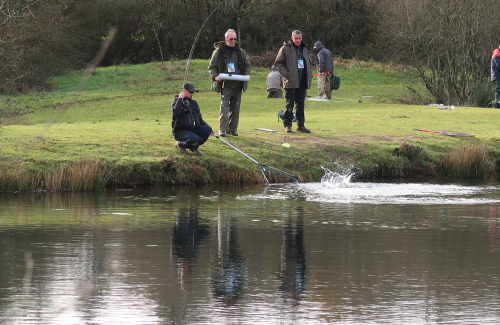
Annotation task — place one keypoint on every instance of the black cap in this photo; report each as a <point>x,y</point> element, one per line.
<point>190,87</point>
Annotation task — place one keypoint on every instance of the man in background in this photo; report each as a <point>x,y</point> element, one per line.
<point>274,84</point>
<point>324,64</point>
<point>495,76</point>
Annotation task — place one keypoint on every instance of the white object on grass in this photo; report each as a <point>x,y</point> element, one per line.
<point>267,130</point>
<point>326,100</point>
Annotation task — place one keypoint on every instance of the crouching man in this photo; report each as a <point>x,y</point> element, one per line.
<point>188,126</point>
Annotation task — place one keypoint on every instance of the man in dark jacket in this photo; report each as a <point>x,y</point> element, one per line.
<point>324,64</point>
<point>229,58</point>
<point>294,65</point>
<point>495,74</point>
<point>188,126</point>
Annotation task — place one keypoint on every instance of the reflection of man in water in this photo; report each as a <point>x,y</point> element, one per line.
<point>293,259</point>
<point>186,237</point>
<point>229,276</point>
<point>493,229</point>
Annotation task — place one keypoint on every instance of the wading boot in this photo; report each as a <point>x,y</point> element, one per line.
<point>197,152</point>
<point>303,129</point>
<point>181,149</point>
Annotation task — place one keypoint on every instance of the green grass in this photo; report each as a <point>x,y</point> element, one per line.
<point>120,117</point>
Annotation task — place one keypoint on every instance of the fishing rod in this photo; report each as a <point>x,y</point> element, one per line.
<point>261,166</point>
<point>450,134</point>
<point>196,38</point>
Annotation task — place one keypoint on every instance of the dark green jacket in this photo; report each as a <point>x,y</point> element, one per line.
<point>218,64</point>
<point>286,64</point>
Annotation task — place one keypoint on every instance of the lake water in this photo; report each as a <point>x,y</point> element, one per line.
<point>336,252</point>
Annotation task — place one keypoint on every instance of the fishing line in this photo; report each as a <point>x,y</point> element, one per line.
<point>196,38</point>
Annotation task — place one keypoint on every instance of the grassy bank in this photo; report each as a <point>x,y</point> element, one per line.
<point>113,128</point>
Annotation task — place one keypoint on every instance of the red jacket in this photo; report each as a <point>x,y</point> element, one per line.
<point>495,65</point>
<point>496,53</point>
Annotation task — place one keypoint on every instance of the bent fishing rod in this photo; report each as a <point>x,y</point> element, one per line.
<point>261,166</point>
<point>196,38</point>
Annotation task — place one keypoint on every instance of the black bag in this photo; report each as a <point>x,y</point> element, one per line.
<point>334,82</point>
<point>281,115</point>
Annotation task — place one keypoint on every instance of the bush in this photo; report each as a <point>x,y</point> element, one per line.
<point>482,94</point>
<point>39,40</point>
<point>412,153</point>
<point>468,161</point>
<point>265,60</point>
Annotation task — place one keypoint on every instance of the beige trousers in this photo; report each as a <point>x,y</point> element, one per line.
<point>229,115</point>
<point>324,86</point>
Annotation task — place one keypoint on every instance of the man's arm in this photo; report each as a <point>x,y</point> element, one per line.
<point>213,66</point>
<point>321,62</point>
<point>246,63</point>
<point>177,105</point>
<point>497,64</point>
<point>280,63</point>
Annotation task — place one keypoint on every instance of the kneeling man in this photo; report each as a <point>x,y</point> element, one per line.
<point>188,126</point>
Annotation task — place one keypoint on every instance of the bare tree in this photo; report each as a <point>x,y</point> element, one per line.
<point>447,42</point>
<point>153,16</point>
<point>37,40</point>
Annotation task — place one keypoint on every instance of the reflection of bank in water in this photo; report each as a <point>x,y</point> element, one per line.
<point>187,234</point>
<point>293,258</point>
<point>229,272</point>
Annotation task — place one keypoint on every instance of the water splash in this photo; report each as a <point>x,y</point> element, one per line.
<point>334,179</point>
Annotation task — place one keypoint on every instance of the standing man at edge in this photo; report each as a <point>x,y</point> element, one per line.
<point>294,64</point>
<point>495,75</point>
<point>229,58</point>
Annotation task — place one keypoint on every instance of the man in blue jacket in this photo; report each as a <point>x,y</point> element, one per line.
<point>188,126</point>
<point>495,75</point>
